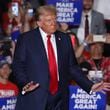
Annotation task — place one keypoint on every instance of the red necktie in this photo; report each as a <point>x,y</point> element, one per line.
<point>86,26</point>
<point>52,67</point>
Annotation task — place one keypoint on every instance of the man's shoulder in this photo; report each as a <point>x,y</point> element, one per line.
<point>63,37</point>
<point>30,32</point>
<point>61,34</point>
<point>96,13</point>
<point>28,35</point>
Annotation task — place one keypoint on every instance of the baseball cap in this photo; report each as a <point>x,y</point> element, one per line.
<point>3,62</point>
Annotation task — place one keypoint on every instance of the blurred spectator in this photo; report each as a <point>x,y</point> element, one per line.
<point>8,90</point>
<point>13,24</point>
<point>95,21</point>
<point>5,50</point>
<point>12,20</point>
<point>79,49</point>
<point>99,63</point>
<point>64,27</point>
<point>29,18</point>
<point>6,47</point>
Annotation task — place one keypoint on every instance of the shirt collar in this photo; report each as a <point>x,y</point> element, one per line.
<point>44,34</point>
<point>89,13</point>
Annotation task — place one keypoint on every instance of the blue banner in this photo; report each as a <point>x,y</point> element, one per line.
<point>15,35</point>
<point>8,103</point>
<point>68,11</point>
<point>80,100</point>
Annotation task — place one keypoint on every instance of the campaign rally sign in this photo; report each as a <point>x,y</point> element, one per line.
<point>8,103</point>
<point>68,11</point>
<point>80,100</point>
<point>8,96</point>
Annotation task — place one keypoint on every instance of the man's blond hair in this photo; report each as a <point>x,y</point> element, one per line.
<point>43,10</point>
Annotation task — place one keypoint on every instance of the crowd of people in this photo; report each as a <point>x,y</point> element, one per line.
<point>21,31</point>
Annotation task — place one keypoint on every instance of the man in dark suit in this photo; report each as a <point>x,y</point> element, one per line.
<point>31,66</point>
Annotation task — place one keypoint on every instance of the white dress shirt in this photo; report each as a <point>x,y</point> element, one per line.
<point>80,33</point>
<point>53,41</point>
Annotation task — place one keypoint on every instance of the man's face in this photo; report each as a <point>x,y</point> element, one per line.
<point>48,23</point>
<point>5,71</point>
<point>87,4</point>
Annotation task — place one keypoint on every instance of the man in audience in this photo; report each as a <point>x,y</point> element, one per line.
<point>92,22</point>
<point>8,90</point>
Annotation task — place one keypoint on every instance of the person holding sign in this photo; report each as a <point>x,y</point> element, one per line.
<point>43,65</point>
<point>92,22</point>
<point>8,90</point>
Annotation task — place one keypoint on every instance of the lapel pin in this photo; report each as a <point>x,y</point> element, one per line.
<point>59,38</point>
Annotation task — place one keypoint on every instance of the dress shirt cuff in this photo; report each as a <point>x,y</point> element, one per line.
<point>23,92</point>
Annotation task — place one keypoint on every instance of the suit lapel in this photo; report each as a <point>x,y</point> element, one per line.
<point>59,53</point>
<point>93,21</point>
<point>40,48</point>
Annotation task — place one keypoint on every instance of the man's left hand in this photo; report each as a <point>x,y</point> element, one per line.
<point>102,86</point>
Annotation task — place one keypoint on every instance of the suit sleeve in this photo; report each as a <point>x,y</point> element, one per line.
<point>102,27</point>
<point>76,72</point>
<point>19,62</point>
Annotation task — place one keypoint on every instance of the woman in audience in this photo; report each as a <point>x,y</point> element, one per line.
<point>100,63</point>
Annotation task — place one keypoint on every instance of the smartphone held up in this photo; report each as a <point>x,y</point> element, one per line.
<point>15,8</point>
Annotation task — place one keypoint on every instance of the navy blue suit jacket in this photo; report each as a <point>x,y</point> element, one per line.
<point>31,64</point>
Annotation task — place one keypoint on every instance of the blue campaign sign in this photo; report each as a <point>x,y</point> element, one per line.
<point>8,103</point>
<point>80,100</point>
<point>15,35</point>
<point>68,11</point>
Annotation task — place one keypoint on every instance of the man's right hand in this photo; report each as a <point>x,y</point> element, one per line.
<point>29,87</point>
